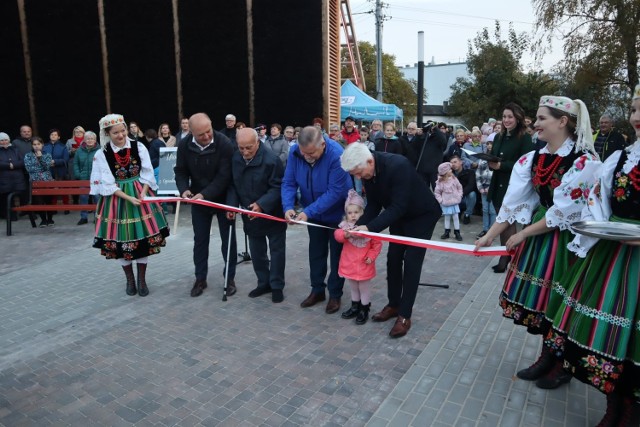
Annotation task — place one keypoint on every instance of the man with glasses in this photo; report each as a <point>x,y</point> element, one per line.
<point>230,127</point>
<point>313,167</point>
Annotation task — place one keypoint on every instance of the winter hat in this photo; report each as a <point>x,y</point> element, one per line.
<point>106,122</point>
<point>444,168</point>
<point>4,136</point>
<point>578,109</point>
<point>353,198</point>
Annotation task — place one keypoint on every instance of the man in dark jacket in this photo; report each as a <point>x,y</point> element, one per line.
<point>425,156</point>
<point>229,129</point>
<point>203,171</point>
<point>313,167</point>
<point>256,179</point>
<point>467,178</point>
<point>607,139</point>
<point>391,185</point>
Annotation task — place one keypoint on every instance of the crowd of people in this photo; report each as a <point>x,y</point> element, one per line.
<point>579,294</point>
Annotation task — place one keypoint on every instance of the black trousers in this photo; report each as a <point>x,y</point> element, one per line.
<point>202,217</point>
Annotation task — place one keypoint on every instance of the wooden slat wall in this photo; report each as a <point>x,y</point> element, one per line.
<point>331,62</point>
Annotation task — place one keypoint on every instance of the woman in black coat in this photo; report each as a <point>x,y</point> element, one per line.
<point>11,173</point>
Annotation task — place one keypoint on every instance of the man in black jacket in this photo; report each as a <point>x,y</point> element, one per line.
<point>256,179</point>
<point>425,156</point>
<point>391,185</point>
<point>203,171</point>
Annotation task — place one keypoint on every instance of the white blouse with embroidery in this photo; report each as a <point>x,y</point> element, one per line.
<point>598,206</point>
<point>103,182</point>
<point>569,199</point>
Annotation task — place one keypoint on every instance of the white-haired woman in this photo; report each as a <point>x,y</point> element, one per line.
<point>83,165</point>
<point>126,229</point>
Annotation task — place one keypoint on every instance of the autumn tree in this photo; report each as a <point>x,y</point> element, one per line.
<point>396,90</point>
<point>601,38</point>
<point>497,78</point>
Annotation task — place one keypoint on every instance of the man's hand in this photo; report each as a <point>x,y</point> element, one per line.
<point>255,207</point>
<point>198,196</point>
<point>494,166</point>
<point>290,215</point>
<point>187,194</point>
<point>302,217</point>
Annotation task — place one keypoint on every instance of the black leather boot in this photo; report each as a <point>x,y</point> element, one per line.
<point>446,234</point>
<point>554,378</point>
<point>614,406</point>
<point>131,279</point>
<point>363,314</point>
<point>143,291</point>
<point>457,234</point>
<point>353,310</point>
<point>540,367</point>
<point>630,415</point>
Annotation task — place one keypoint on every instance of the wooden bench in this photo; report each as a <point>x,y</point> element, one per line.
<point>50,188</point>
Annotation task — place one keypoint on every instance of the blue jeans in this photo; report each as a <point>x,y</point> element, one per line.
<point>269,274</point>
<point>83,199</point>
<point>201,218</point>
<point>470,203</point>
<point>488,213</point>
<point>323,245</point>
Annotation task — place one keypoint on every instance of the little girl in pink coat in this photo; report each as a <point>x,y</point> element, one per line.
<point>357,261</point>
<point>448,193</point>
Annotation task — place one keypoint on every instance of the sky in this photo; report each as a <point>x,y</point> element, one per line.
<point>448,25</point>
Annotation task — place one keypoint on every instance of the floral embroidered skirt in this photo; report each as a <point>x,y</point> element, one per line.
<point>597,318</point>
<point>124,230</point>
<point>538,262</point>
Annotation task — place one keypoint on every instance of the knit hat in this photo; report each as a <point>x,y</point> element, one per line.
<point>444,168</point>
<point>353,198</point>
<point>4,136</point>
<point>576,108</point>
<point>636,93</point>
<point>108,121</point>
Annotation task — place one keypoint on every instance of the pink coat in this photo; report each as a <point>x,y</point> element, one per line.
<point>448,192</point>
<point>354,251</point>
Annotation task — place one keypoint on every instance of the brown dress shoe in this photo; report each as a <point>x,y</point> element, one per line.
<point>198,287</point>
<point>333,305</point>
<point>231,287</point>
<point>386,314</point>
<point>312,299</point>
<point>401,327</point>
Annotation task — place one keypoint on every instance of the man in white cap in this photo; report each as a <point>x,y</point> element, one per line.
<point>230,127</point>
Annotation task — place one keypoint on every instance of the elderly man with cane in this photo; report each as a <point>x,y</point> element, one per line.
<point>397,198</point>
<point>256,179</point>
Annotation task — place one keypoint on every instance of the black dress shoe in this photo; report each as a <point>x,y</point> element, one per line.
<point>198,287</point>
<point>333,305</point>
<point>260,290</point>
<point>277,296</point>
<point>466,219</point>
<point>499,269</point>
<point>82,221</point>
<point>312,299</point>
<point>231,288</point>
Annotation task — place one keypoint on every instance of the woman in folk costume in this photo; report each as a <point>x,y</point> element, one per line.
<point>596,326</point>
<point>546,190</point>
<point>126,229</point>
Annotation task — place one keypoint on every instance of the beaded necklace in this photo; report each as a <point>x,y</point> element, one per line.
<point>545,174</point>
<point>123,160</point>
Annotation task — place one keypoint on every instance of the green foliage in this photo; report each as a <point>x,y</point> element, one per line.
<point>497,78</point>
<point>396,90</point>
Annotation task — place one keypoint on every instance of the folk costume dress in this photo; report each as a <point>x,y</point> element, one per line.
<point>550,186</point>
<point>124,230</point>
<point>598,315</point>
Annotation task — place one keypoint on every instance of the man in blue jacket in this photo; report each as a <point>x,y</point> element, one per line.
<point>313,167</point>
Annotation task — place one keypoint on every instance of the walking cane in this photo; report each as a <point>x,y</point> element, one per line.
<point>226,267</point>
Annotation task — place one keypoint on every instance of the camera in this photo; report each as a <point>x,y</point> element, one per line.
<point>428,127</point>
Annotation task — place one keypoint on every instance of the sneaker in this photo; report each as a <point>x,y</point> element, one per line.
<point>50,223</point>
<point>482,234</point>
<point>43,224</point>
<point>466,219</point>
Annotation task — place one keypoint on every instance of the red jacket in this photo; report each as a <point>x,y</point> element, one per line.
<point>354,251</point>
<point>348,138</point>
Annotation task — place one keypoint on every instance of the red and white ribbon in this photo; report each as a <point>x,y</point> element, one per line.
<point>457,248</point>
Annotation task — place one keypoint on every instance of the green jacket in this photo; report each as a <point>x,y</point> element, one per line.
<point>83,161</point>
<point>509,149</point>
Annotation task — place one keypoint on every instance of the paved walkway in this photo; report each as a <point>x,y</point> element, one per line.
<point>75,350</point>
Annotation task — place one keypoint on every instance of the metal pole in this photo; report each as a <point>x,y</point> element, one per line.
<point>419,114</point>
<point>379,49</point>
